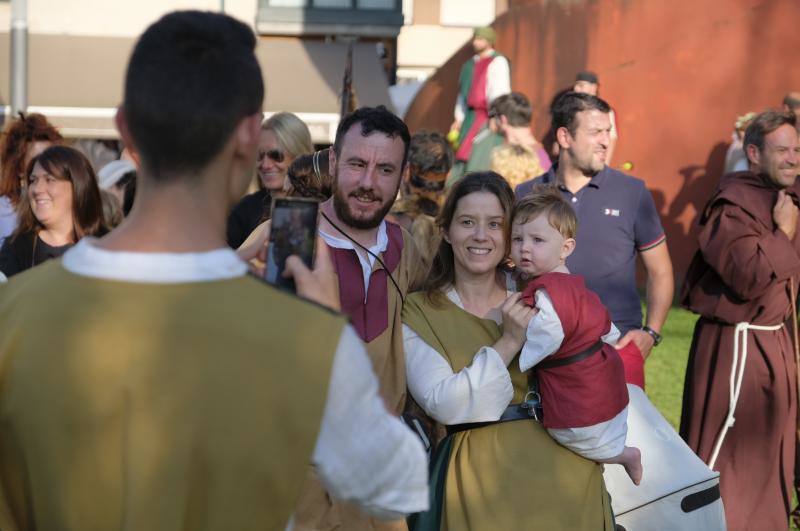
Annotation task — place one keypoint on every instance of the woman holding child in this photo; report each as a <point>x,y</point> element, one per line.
<point>462,337</point>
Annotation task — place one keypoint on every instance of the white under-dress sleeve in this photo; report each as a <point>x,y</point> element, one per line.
<point>612,336</point>
<point>363,453</point>
<point>460,110</point>
<point>479,392</point>
<point>544,334</point>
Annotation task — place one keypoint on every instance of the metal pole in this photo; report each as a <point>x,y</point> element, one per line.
<point>221,6</point>
<point>19,56</point>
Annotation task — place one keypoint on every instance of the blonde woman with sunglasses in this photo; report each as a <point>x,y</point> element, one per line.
<point>284,137</point>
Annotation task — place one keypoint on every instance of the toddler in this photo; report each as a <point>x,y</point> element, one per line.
<point>580,375</point>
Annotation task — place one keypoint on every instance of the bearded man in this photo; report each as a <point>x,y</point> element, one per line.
<point>617,222</point>
<point>743,281</point>
<point>375,261</point>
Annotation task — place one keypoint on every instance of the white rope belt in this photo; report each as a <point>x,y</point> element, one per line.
<point>737,375</point>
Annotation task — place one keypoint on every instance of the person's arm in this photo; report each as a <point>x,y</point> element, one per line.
<point>364,454</point>
<point>544,334</point>
<point>516,317</point>
<point>498,79</point>
<point>748,259</point>
<point>651,244</point>
<point>660,287</point>
<point>612,336</point>
<point>477,393</point>
<point>459,112</point>
<point>460,109</point>
<point>254,249</point>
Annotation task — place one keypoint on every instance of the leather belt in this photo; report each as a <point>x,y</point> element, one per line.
<point>511,413</point>
<point>569,360</point>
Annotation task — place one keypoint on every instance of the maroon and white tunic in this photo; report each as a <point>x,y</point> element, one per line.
<point>584,402</point>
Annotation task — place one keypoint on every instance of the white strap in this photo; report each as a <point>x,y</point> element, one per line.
<point>737,375</point>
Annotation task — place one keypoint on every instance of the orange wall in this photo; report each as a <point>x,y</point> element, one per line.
<point>677,73</point>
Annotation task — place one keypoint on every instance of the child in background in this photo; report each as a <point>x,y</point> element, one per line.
<point>569,341</point>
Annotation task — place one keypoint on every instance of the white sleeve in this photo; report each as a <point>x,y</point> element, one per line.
<point>479,392</point>
<point>544,334</point>
<point>498,79</point>
<point>461,108</point>
<point>363,453</point>
<point>612,336</point>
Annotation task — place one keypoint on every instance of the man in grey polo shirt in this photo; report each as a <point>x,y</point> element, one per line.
<point>617,219</point>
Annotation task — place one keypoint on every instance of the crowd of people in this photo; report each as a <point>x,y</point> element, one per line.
<point>460,353</point>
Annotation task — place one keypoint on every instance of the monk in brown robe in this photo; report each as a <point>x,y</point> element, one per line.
<point>744,274</point>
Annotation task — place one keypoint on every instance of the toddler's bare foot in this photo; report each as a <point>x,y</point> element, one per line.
<point>631,459</point>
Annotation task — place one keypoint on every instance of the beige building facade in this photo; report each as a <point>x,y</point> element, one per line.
<point>433,31</point>
<point>78,50</point>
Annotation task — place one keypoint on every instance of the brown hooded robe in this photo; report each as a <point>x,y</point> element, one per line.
<point>741,273</point>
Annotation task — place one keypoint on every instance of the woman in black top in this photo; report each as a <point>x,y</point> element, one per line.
<point>63,205</point>
<point>284,137</point>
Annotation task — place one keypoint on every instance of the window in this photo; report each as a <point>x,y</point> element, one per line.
<point>376,4</point>
<point>374,18</point>
<point>341,4</point>
<point>387,5</point>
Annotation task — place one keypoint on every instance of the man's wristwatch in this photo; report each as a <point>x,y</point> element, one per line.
<point>655,335</point>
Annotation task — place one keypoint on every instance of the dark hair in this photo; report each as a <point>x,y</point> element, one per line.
<point>588,76</point>
<point>373,119</point>
<point>128,184</point>
<point>191,78</point>
<point>764,124</point>
<point>566,108</point>
<point>429,151</point>
<point>792,100</point>
<point>71,165</point>
<point>442,272</point>
<point>17,139</point>
<point>514,106</point>
<point>309,177</point>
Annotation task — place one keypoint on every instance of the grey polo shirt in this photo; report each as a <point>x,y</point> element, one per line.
<point>616,218</point>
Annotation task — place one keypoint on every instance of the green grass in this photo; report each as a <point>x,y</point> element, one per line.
<point>666,367</point>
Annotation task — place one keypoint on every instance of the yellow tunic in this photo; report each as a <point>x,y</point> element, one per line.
<point>317,511</point>
<point>511,475</point>
<point>156,406</point>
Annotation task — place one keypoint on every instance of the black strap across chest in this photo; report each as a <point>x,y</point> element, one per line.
<point>569,360</point>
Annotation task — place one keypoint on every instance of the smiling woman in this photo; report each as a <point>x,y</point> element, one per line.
<point>63,206</point>
<point>497,468</point>
<point>23,139</point>
<point>283,138</point>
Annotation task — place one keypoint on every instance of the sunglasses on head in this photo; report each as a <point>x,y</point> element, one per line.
<point>275,155</point>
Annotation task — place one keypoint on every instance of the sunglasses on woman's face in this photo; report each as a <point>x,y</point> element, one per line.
<point>275,155</point>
